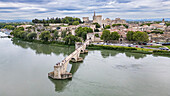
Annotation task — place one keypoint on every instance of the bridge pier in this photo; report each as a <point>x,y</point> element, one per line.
<point>59,73</point>
<point>83,50</point>
<point>79,59</point>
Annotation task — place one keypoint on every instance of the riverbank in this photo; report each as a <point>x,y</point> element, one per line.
<point>106,47</point>
<point>129,49</point>
<point>53,43</point>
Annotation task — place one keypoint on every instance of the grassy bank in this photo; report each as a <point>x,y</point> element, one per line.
<point>168,47</point>
<point>153,46</point>
<point>130,49</point>
<point>161,52</point>
<point>121,48</point>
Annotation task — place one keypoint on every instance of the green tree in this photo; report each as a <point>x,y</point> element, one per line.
<point>107,27</point>
<point>55,36</point>
<point>97,25</point>
<point>114,36</point>
<point>32,35</point>
<point>129,35</point>
<point>45,36</point>
<point>126,26</point>
<point>105,35</point>
<point>113,25</point>
<point>71,39</point>
<point>22,34</point>
<point>140,36</point>
<point>96,35</point>
<point>76,23</point>
<point>63,34</point>
<point>10,27</point>
<point>83,35</point>
<point>96,30</point>
<point>16,31</point>
<point>82,32</point>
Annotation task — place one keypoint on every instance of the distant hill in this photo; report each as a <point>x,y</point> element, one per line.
<point>19,20</point>
<point>155,19</point>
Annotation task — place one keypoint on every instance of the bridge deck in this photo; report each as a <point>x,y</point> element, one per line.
<point>68,58</point>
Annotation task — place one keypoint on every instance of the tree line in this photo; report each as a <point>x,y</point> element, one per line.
<point>68,20</point>
<point>52,36</point>
<point>10,26</point>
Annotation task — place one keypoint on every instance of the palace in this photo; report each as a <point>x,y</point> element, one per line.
<point>103,22</point>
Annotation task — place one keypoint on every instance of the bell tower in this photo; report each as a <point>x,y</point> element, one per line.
<point>94,16</point>
<point>94,13</point>
<point>163,20</point>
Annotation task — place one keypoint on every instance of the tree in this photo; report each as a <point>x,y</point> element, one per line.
<point>126,26</point>
<point>76,23</point>
<point>83,35</point>
<point>113,25</point>
<point>63,34</point>
<point>97,25</point>
<point>32,35</point>
<point>140,36</point>
<point>55,36</point>
<point>129,35</point>
<point>71,39</point>
<point>96,30</point>
<point>16,31</point>
<point>22,34</point>
<point>107,27</point>
<point>10,27</point>
<point>114,36</point>
<point>105,35</point>
<point>82,32</point>
<point>96,35</point>
<point>45,36</point>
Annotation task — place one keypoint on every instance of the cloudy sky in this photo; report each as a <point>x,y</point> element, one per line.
<point>126,9</point>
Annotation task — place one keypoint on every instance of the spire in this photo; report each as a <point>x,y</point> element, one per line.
<point>163,20</point>
<point>94,13</point>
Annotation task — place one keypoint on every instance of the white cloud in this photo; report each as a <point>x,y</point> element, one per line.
<point>80,8</point>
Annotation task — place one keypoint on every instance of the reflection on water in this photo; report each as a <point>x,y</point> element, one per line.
<point>135,55</point>
<point>43,48</point>
<point>59,84</point>
<point>107,53</point>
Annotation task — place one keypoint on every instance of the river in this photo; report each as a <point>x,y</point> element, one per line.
<point>24,67</point>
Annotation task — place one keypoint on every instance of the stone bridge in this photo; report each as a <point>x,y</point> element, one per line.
<point>60,69</point>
